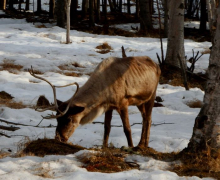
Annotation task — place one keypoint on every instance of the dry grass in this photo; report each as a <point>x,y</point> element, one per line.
<point>107,160</point>
<point>104,48</point>
<point>206,51</point>
<point>70,66</point>
<point>72,74</point>
<point>194,103</point>
<point>6,100</point>
<point>173,76</point>
<point>4,154</point>
<point>40,26</point>
<point>198,164</point>
<point>9,66</point>
<point>42,147</point>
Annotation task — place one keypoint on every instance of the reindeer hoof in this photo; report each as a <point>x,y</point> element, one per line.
<point>137,148</point>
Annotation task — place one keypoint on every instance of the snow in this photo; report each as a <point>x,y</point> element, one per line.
<point>24,44</point>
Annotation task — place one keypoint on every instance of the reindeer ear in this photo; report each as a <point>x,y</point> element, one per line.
<point>76,109</point>
<point>59,102</point>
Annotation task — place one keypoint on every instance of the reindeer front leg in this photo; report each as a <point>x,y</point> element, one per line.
<point>107,124</point>
<point>126,125</point>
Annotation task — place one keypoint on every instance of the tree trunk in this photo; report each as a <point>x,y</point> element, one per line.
<point>104,8</point>
<point>38,6</point>
<point>68,3</point>
<point>11,5</point>
<point>98,17</point>
<point>85,6</point>
<point>120,6</point>
<point>91,13</point>
<point>203,15</point>
<point>128,7</point>
<point>2,4</point>
<point>27,6</point>
<point>175,44</point>
<point>61,13</point>
<point>145,16</point>
<point>111,6</point>
<point>207,123</point>
<point>211,4</point>
<point>137,15</point>
<point>166,10</point>
<point>189,9</point>
<point>73,12</point>
<point>51,9</point>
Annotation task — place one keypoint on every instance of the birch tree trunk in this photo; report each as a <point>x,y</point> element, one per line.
<point>206,131</point>
<point>175,44</point>
<point>2,4</point>
<point>211,7</point>
<point>68,3</point>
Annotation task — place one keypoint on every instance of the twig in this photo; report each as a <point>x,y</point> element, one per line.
<point>132,124</point>
<point>123,52</point>
<point>19,124</point>
<point>161,124</point>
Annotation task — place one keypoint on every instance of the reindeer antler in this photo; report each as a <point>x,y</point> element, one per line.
<point>55,107</point>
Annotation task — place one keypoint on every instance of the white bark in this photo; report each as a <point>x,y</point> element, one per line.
<point>211,7</point>
<point>207,124</point>
<point>68,2</point>
<point>175,44</point>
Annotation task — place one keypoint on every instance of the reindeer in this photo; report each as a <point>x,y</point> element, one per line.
<point>115,84</point>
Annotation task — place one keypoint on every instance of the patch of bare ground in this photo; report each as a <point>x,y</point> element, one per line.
<point>42,147</point>
<point>200,164</point>
<point>107,160</point>
<point>172,75</point>
<point>104,48</point>
<point>195,103</point>
<point>6,100</point>
<point>10,66</point>
<point>4,154</point>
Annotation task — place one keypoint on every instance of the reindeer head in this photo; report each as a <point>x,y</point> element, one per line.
<point>66,113</point>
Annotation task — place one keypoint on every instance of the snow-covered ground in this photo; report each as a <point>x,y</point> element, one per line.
<point>27,45</point>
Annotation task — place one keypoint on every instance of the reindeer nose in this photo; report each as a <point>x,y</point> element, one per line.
<point>60,138</point>
<point>57,136</point>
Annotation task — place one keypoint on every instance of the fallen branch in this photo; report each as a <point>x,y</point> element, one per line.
<point>9,128</point>
<point>132,124</point>
<point>20,124</point>
<point>2,134</point>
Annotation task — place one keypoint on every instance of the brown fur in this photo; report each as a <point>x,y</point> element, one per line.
<point>116,83</point>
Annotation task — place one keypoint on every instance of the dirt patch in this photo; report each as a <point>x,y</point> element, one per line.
<point>6,100</point>
<point>104,48</point>
<point>194,103</point>
<point>172,75</point>
<point>5,95</point>
<point>200,164</point>
<point>42,147</point>
<point>9,66</point>
<point>107,160</point>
